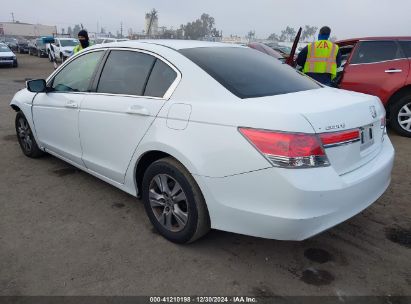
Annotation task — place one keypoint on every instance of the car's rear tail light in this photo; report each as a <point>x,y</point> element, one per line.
<point>287,150</point>
<point>339,138</point>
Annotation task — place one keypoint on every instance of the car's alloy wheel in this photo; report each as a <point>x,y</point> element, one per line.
<point>168,202</point>
<point>25,137</point>
<point>24,133</point>
<point>404,117</point>
<point>400,115</point>
<point>174,202</point>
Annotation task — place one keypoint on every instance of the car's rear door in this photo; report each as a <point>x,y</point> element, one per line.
<point>132,88</point>
<point>55,113</point>
<point>376,67</point>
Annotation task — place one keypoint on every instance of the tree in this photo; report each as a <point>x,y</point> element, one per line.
<point>153,15</point>
<point>250,36</point>
<point>274,37</point>
<point>200,29</point>
<point>283,36</point>
<point>308,32</point>
<point>76,29</point>
<point>290,33</point>
<point>70,31</point>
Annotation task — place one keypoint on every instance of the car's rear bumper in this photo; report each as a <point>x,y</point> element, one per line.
<point>294,204</point>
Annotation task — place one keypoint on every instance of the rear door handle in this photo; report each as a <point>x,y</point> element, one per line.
<point>138,110</point>
<point>393,71</point>
<point>71,104</point>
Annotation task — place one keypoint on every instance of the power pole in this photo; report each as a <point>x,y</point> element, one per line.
<point>12,16</point>
<point>121,29</point>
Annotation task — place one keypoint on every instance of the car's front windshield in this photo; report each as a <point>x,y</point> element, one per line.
<point>69,42</point>
<point>4,48</point>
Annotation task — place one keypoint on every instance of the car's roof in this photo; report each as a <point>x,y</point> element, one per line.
<point>351,40</point>
<point>172,43</point>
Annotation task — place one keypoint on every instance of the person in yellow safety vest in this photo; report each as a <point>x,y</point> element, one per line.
<point>321,59</point>
<point>84,41</point>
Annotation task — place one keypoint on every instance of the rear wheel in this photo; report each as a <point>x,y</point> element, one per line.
<point>400,115</point>
<point>25,137</point>
<point>174,202</point>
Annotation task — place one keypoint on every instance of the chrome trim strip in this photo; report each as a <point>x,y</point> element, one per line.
<point>354,64</point>
<point>341,143</point>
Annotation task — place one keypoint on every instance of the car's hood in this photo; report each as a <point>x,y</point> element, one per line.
<point>6,54</point>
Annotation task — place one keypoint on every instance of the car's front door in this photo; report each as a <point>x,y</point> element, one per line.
<point>128,95</point>
<point>55,113</point>
<point>376,67</point>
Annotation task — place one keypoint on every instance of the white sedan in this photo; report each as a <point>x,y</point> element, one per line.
<point>211,136</point>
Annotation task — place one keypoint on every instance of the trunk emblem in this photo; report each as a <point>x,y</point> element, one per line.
<point>373,111</point>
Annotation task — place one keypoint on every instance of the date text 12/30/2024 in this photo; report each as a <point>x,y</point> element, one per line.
<point>203,299</point>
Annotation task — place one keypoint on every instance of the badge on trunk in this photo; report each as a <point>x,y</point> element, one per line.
<point>373,111</point>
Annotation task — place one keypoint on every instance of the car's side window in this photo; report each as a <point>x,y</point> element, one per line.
<point>376,51</point>
<point>161,78</point>
<point>125,72</point>
<point>406,47</point>
<point>76,76</point>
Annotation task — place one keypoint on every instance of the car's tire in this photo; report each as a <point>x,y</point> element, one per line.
<point>173,202</point>
<point>400,115</point>
<point>25,137</point>
<point>15,64</point>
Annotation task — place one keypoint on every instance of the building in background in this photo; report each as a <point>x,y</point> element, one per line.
<point>151,28</point>
<point>20,29</point>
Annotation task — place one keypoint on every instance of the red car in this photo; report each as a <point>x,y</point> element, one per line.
<point>380,66</point>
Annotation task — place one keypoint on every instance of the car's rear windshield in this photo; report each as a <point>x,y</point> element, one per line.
<point>70,42</point>
<point>248,73</point>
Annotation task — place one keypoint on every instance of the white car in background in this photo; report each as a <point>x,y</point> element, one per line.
<point>62,48</point>
<point>109,40</point>
<point>7,57</point>
<point>211,136</point>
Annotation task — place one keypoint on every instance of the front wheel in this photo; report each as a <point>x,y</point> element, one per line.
<point>25,137</point>
<point>400,115</point>
<point>174,202</point>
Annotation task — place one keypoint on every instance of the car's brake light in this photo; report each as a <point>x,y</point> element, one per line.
<point>288,150</point>
<point>339,138</point>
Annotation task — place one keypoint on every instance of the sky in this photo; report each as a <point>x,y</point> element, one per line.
<point>347,18</point>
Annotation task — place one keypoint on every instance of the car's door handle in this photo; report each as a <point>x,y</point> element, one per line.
<point>393,71</point>
<point>71,104</point>
<point>138,110</point>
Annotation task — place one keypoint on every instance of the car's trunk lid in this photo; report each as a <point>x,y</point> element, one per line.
<point>331,110</point>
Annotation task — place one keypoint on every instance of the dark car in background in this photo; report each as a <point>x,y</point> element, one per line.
<point>37,48</point>
<point>380,66</point>
<point>22,46</point>
<point>11,43</point>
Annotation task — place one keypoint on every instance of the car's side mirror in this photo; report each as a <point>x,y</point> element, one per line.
<point>36,85</point>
